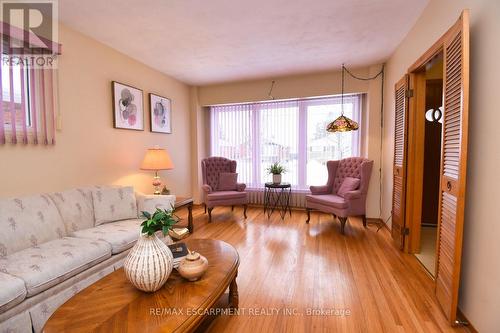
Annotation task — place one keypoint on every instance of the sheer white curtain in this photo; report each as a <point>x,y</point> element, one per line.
<point>291,132</point>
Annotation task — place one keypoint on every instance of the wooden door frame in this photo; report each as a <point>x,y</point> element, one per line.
<point>415,169</point>
<point>455,43</point>
<point>416,139</point>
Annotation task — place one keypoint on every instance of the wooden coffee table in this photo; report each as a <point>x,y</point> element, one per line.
<point>112,304</point>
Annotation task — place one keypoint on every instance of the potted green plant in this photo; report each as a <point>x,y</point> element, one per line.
<point>161,220</point>
<point>276,169</point>
<point>150,262</point>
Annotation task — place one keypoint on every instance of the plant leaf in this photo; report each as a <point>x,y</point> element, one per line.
<point>165,230</point>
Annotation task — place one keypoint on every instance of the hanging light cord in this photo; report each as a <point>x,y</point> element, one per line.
<point>342,93</point>
<point>271,90</point>
<point>381,73</point>
<point>364,78</point>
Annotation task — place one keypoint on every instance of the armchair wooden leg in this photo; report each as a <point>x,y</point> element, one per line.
<point>232,208</point>
<point>245,210</point>
<point>343,221</point>
<point>210,214</point>
<point>205,205</point>
<point>308,210</point>
<point>364,220</point>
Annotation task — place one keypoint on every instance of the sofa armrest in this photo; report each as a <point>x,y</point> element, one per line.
<point>207,188</point>
<point>352,195</point>
<point>240,187</point>
<point>151,202</point>
<point>325,189</point>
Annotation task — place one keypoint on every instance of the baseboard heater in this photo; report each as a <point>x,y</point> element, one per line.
<point>297,199</point>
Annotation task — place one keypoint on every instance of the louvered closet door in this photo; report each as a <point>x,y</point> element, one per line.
<point>453,165</point>
<point>399,167</point>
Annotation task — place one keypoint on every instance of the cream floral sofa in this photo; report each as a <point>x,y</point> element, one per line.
<point>54,245</point>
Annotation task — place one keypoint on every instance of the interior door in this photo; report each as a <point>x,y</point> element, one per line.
<point>399,167</point>
<point>453,165</point>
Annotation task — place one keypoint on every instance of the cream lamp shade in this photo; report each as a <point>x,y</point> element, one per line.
<point>157,159</point>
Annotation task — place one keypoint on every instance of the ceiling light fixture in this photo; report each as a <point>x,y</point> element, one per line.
<point>342,123</point>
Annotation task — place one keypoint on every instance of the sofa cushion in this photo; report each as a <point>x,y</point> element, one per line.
<point>348,184</point>
<point>228,181</point>
<point>150,202</point>
<point>19,323</point>
<point>121,235</point>
<point>28,221</point>
<point>223,195</point>
<point>329,200</point>
<point>347,167</point>
<point>12,291</point>
<point>113,204</point>
<point>48,264</point>
<point>75,207</point>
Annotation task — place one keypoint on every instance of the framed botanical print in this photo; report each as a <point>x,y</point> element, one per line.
<point>128,107</point>
<point>161,114</point>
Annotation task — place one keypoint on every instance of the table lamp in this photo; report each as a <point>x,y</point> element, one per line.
<point>157,159</point>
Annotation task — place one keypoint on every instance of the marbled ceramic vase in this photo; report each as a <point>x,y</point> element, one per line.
<point>149,264</point>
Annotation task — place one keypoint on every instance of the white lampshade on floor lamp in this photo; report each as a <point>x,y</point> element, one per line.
<point>157,159</point>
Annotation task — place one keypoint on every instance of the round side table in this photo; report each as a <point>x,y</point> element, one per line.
<point>277,197</point>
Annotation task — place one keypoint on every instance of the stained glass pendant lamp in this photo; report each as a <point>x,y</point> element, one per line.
<point>342,123</point>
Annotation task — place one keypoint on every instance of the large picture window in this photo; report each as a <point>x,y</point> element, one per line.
<point>28,100</point>
<point>14,77</point>
<point>291,132</point>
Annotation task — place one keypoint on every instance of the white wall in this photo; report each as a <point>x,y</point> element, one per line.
<point>480,284</point>
<point>88,149</point>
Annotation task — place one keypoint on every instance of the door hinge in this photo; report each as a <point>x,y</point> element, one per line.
<point>406,231</point>
<point>409,93</point>
<point>461,322</point>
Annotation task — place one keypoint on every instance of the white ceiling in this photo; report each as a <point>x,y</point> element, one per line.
<point>210,41</point>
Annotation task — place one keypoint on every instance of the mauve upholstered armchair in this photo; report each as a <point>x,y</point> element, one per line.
<point>211,168</point>
<point>353,203</point>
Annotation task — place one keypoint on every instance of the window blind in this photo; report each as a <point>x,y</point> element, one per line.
<point>292,132</point>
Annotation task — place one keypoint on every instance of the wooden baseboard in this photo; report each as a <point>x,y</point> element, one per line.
<point>374,220</point>
<point>377,221</point>
<point>469,327</point>
<point>369,220</point>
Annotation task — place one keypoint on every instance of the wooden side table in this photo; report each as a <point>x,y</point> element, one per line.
<point>188,203</point>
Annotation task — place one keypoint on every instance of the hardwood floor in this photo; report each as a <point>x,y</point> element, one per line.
<point>288,267</point>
